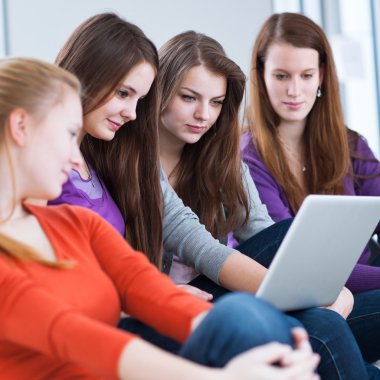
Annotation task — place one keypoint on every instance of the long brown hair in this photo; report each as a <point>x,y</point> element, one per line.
<point>325,139</point>
<point>34,86</point>
<point>101,52</point>
<point>209,171</point>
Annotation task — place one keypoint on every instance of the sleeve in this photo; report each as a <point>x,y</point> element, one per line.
<point>259,218</point>
<point>269,190</point>
<point>364,278</point>
<point>187,238</point>
<point>144,292</point>
<point>367,172</point>
<point>33,318</point>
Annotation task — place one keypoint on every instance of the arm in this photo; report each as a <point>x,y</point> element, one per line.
<point>259,218</point>
<point>258,363</point>
<point>367,171</point>
<point>32,318</point>
<point>269,191</point>
<point>142,289</point>
<point>186,237</point>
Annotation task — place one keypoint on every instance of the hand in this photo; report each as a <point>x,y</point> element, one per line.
<point>196,292</point>
<point>343,304</point>
<point>275,361</point>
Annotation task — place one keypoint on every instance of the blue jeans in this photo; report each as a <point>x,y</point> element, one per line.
<point>342,346</point>
<point>236,323</point>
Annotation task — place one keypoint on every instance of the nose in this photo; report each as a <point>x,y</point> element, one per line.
<point>202,111</point>
<point>76,159</point>
<point>129,111</point>
<point>294,88</point>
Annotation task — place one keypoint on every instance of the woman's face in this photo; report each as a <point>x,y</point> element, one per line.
<point>105,121</point>
<point>292,77</point>
<point>51,149</point>
<point>195,106</point>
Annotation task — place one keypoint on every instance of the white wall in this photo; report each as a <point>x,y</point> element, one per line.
<point>38,28</point>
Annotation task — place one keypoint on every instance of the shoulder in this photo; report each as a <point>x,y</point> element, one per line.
<point>359,144</point>
<point>63,212</point>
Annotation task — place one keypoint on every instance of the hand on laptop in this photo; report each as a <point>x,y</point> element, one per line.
<point>343,304</point>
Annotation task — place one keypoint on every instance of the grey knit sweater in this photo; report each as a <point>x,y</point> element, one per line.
<point>187,238</point>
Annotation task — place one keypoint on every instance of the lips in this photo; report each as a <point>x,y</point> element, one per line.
<point>196,128</point>
<point>293,105</point>
<point>114,125</point>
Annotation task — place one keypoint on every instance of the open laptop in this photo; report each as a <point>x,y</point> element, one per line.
<point>319,251</point>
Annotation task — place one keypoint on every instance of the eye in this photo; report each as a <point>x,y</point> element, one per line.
<point>280,76</point>
<point>122,93</point>
<point>187,98</point>
<point>308,75</point>
<point>74,134</point>
<point>217,103</point>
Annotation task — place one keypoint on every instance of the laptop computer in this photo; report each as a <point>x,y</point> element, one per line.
<point>319,251</point>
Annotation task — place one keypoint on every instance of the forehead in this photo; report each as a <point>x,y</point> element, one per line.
<point>290,58</point>
<point>202,80</point>
<point>67,109</point>
<point>140,77</point>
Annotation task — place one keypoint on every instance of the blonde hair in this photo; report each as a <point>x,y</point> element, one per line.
<point>36,87</point>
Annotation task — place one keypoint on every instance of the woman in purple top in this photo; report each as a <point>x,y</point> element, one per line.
<point>300,143</point>
<point>117,65</point>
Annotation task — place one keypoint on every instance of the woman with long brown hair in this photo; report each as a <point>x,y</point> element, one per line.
<point>119,178</point>
<point>298,143</point>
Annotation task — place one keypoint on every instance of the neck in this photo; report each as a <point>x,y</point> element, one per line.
<point>291,133</point>
<point>10,209</point>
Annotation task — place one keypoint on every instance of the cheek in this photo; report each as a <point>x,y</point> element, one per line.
<point>216,113</point>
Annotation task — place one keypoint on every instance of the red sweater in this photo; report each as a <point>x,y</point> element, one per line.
<point>60,323</point>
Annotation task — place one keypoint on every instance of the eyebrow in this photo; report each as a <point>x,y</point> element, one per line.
<point>128,87</point>
<point>197,93</point>
<point>279,69</point>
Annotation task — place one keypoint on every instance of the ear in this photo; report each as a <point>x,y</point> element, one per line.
<point>17,126</point>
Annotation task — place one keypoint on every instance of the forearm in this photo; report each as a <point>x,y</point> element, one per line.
<point>240,272</point>
<point>140,361</point>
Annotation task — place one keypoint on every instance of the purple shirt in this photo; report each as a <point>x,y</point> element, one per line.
<point>102,202</point>
<point>363,277</point>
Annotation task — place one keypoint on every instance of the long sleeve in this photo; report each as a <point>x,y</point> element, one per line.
<point>259,218</point>
<point>187,238</point>
<point>363,277</point>
<point>33,318</point>
<point>269,190</point>
<point>367,170</point>
<point>145,293</point>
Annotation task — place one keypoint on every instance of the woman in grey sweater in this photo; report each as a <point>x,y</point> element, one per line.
<point>199,134</point>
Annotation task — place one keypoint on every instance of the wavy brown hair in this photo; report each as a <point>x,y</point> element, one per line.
<point>209,171</point>
<point>34,86</point>
<point>327,156</point>
<point>101,52</point>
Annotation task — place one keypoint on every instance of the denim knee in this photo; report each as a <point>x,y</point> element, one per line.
<point>237,322</point>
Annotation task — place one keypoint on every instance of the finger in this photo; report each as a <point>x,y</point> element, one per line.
<point>301,339</point>
<point>302,370</point>
<point>196,292</point>
<point>268,353</point>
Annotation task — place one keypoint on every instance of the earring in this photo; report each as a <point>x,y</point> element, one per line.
<point>319,92</point>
